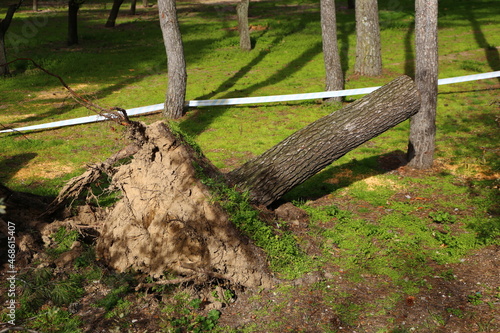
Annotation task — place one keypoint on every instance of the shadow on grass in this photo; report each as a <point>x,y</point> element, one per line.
<point>491,52</point>
<point>291,68</point>
<point>344,30</point>
<point>334,178</point>
<point>409,55</point>
<point>10,166</point>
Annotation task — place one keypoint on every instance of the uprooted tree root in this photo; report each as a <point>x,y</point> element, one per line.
<point>166,219</point>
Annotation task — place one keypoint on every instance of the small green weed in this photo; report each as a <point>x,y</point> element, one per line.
<point>120,310</point>
<point>55,319</point>
<point>476,298</point>
<point>86,259</point>
<point>456,312</point>
<point>113,298</point>
<point>121,284</point>
<point>183,315</point>
<point>225,297</point>
<point>448,275</point>
<point>41,286</point>
<point>442,217</point>
<point>63,238</point>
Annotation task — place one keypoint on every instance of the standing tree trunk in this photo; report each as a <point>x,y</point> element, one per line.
<point>423,124</point>
<point>368,54</point>
<point>333,66</point>
<point>243,28</point>
<point>133,6</point>
<point>306,152</point>
<point>4,26</point>
<point>145,3</point>
<point>73,8</point>
<point>113,14</point>
<point>35,5</point>
<point>177,75</point>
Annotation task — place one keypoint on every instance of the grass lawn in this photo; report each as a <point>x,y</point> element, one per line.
<point>400,250</point>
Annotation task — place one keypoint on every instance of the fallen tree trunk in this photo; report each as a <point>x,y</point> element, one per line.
<point>167,219</point>
<point>300,156</point>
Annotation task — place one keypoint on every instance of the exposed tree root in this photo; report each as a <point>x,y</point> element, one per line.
<point>166,219</point>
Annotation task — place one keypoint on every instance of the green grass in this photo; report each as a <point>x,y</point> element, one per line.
<point>370,221</point>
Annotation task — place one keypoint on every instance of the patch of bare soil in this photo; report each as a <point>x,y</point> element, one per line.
<point>444,307</point>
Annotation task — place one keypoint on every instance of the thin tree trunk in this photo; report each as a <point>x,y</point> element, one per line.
<point>308,151</point>
<point>145,3</point>
<point>333,66</point>
<point>4,26</point>
<point>73,8</point>
<point>177,75</point>
<point>4,70</point>
<point>35,5</point>
<point>368,54</point>
<point>423,124</point>
<point>243,28</point>
<point>133,6</point>
<point>113,14</point>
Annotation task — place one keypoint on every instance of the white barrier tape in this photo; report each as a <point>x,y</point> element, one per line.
<point>282,98</point>
<point>246,100</point>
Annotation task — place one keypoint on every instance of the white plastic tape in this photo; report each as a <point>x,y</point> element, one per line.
<point>245,100</point>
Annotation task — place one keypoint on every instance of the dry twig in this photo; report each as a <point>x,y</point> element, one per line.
<point>115,114</point>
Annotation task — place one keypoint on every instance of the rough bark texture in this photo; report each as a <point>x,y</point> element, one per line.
<point>167,220</point>
<point>113,14</point>
<point>333,67</point>
<point>4,70</point>
<point>73,8</point>
<point>309,150</point>
<point>4,26</point>
<point>368,54</point>
<point>243,28</point>
<point>423,124</point>
<point>133,6</point>
<point>177,75</point>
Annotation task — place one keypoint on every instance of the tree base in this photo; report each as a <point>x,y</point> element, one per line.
<point>167,221</point>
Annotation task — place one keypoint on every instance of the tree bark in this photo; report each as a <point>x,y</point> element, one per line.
<point>333,66</point>
<point>167,220</point>
<point>35,5</point>
<point>133,6</point>
<point>243,28</point>
<point>73,8</point>
<point>423,125</point>
<point>306,152</point>
<point>177,75</point>
<point>113,14</point>
<point>368,54</point>
<point>4,26</point>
